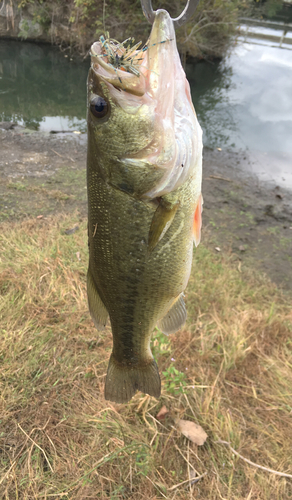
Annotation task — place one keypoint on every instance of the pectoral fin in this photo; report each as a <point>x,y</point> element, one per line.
<point>175,317</point>
<point>97,309</point>
<point>162,219</point>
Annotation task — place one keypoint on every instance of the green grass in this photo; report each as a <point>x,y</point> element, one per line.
<point>229,370</point>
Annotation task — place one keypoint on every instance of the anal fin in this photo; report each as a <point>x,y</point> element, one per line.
<point>97,309</point>
<point>174,318</point>
<point>123,381</point>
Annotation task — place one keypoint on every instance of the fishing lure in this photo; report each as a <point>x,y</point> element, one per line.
<point>124,55</point>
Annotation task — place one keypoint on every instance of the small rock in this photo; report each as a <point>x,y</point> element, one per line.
<point>71,231</point>
<point>242,248</point>
<point>269,210</point>
<point>29,28</point>
<point>7,125</point>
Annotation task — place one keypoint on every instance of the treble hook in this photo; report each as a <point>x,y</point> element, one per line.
<point>188,11</point>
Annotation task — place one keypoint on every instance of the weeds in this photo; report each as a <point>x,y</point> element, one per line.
<point>232,372</point>
<point>79,23</point>
<point>174,380</point>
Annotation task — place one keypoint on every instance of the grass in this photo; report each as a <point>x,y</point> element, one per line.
<point>64,191</point>
<point>229,370</point>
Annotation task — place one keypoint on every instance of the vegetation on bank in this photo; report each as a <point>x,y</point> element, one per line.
<point>228,370</point>
<point>78,23</point>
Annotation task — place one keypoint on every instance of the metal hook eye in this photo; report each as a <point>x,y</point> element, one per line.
<point>186,14</point>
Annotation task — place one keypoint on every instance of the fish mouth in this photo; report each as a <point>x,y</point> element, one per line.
<point>137,70</point>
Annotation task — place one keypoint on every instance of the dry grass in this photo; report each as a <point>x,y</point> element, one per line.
<point>60,439</point>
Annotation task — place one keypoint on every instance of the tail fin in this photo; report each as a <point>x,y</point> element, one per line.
<point>122,381</point>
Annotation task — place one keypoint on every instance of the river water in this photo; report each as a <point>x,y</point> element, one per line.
<point>243,102</point>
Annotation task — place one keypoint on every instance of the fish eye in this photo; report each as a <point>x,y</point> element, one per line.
<point>98,106</point>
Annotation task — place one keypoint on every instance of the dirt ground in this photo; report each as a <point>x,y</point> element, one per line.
<point>41,174</point>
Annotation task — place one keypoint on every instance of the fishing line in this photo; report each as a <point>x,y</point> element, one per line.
<point>103,15</point>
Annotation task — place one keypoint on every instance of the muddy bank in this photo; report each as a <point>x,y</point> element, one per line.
<point>247,218</point>
<point>42,174</point>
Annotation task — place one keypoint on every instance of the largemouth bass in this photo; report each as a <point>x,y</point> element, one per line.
<point>144,173</point>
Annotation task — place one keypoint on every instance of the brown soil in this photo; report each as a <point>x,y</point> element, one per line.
<point>43,174</point>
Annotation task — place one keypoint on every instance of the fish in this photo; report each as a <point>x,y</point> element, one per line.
<point>144,174</point>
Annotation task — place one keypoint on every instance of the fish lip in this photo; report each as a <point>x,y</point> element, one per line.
<point>161,53</point>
